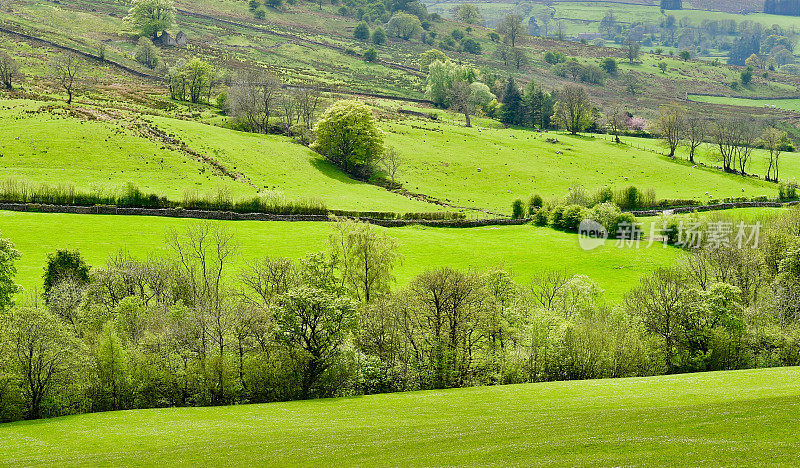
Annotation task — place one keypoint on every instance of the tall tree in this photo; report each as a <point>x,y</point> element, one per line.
<point>66,69</point>
<point>8,256</point>
<point>774,141</point>
<point>695,134</point>
<point>670,126</point>
<point>9,70</point>
<point>512,112</point>
<point>573,110</point>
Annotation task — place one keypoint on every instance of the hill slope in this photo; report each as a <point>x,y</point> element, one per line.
<point>736,418</point>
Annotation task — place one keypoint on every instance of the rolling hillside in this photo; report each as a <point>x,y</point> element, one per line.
<point>736,418</point>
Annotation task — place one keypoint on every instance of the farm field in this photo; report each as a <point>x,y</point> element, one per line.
<point>523,250</point>
<point>731,418</point>
<point>787,104</point>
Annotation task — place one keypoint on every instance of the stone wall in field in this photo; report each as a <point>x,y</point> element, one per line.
<point>231,216</point>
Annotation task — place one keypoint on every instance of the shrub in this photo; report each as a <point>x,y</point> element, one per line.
<point>517,209</point>
<point>554,57</point>
<point>628,198</point>
<point>471,46</point>
<point>361,31</point>
<point>572,217</point>
<point>541,217</point>
<point>534,204</point>
<point>787,190</point>
<point>146,53</point>
<point>556,216</point>
<point>602,195</point>
<point>371,55</point>
<point>253,4</point>
<point>379,36</point>
<point>609,65</point>
<point>260,13</point>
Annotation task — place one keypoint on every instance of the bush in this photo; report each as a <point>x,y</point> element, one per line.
<point>371,55</point>
<point>361,31</point>
<point>628,198</point>
<point>541,217</point>
<point>609,65</point>
<point>787,190</point>
<point>554,57</point>
<point>260,13</point>
<point>534,204</point>
<point>471,46</point>
<point>379,36</point>
<point>517,209</point>
<point>146,53</point>
<point>253,4</point>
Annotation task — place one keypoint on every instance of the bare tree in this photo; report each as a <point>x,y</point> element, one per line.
<point>66,70</point>
<point>9,70</point>
<point>391,163</point>
<point>547,286</point>
<point>308,102</point>
<point>735,138</point>
<point>615,122</point>
<point>461,99</point>
<point>288,106</point>
<point>695,133</point>
<point>254,99</point>
<point>670,126</point>
<point>774,141</point>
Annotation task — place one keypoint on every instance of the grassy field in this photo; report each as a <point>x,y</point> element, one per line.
<point>523,250</point>
<point>734,418</point>
<point>787,104</point>
<point>490,167</point>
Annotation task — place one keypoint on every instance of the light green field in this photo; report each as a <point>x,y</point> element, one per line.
<point>733,418</point>
<point>490,167</point>
<point>787,104</point>
<point>53,147</point>
<point>523,250</point>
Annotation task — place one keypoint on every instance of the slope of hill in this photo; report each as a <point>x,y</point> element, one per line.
<point>736,418</point>
<point>525,251</point>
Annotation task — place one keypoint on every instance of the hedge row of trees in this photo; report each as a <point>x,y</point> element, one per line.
<point>189,330</point>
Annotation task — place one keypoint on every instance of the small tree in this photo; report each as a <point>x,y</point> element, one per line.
<point>695,133</point>
<point>632,49</point>
<point>609,65</point>
<point>361,31</point>
<point>8,255</point>
<point>662,66</point>
<point>65,265</point>
<point>66,70</point>
<point>670,126</point>
<point>151,17</point>
<point>348,137</point>
<point>468,13</point>
<point>146,53</point>
<point>9,70</point>
<point>404,26</point>
<point>685,55</point>
<point>747,75</point>
<point>573,111</point>
<point>370,55</point>
<point>511,29</point>
<point>615,122</point>
<point>379,36</point>
<point>391,162</point>
<point>316,323</point>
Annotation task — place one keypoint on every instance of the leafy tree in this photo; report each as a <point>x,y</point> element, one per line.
<point>8,255</point>
<point>44,352</point>
<point>685,55</point>
<point>609,65</point>
<point>468,13</point>
<point>348,137</point>
<point>441,76</point>
<point>9,70</point>
<point>631,50</point>
<point>695,133</point>
<point>191,81</point>
<point>146,53</point>
<point>471,46</point>
<point>151,17</point>
<point>404,26</point>
<point>554,57</point>
<point>746,75</point>
<point>774,141</point>
<point>379,36</point>
<point>365,257</point>
<point>430,56</point>
<point>65,265</point>
<point>573,111</point>
<point>316,323</point>
<point>361,31</point>
<point>615,122</point>
<point>662,66</point>
<point>511,29</point>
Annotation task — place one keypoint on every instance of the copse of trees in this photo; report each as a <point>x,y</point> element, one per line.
<point>573,111</point>
<point>9,71</point>
<point>174,331</point>
<point>192,81</point>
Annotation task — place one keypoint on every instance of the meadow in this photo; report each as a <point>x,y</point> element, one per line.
<point>730,418</point>
<point>523,250</point>
<point>786,104</point>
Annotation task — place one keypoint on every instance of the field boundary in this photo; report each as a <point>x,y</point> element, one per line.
<point>234,216</point>
<point>715,207</point>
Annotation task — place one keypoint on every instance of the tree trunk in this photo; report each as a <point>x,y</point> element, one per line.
<point>466,117</point>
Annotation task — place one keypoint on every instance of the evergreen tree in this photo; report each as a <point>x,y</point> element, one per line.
<point>513,110</point>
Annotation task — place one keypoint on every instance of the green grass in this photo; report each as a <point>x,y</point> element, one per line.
<point>733,418</point>
<point>489,167</point>
<point>523,250</point>
<point>54,147</point>
<point>787,104</point>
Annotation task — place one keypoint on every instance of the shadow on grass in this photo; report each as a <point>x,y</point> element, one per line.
<point>333,172</point>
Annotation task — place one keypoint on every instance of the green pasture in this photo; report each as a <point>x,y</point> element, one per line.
<point>523,250</point>
<point>786,104</point>
<point>732,418</point>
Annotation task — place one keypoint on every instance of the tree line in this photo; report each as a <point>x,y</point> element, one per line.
<point>189,329</point>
